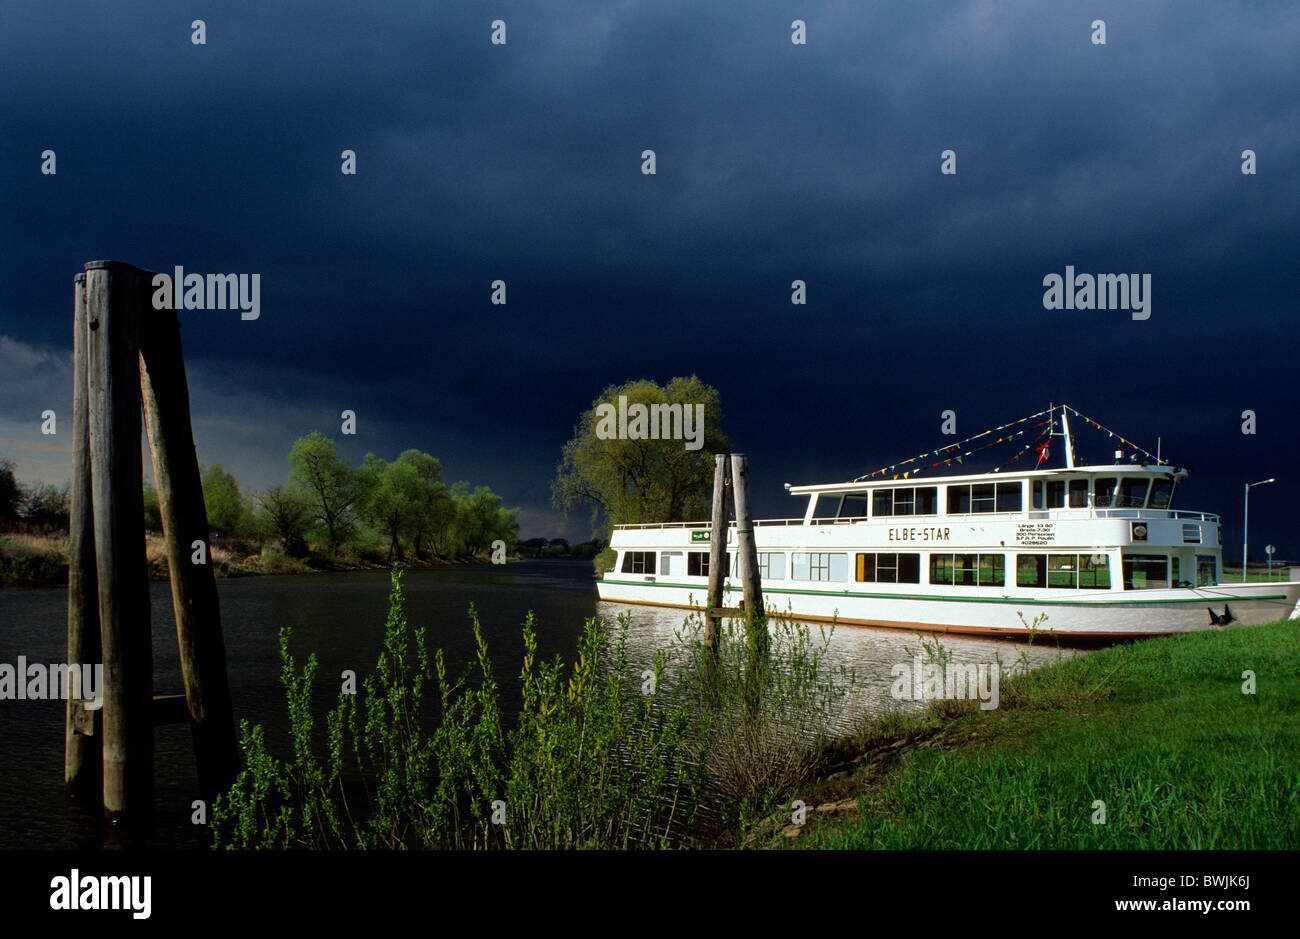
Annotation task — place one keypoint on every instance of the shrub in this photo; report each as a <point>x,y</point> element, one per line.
<point>588,764</point>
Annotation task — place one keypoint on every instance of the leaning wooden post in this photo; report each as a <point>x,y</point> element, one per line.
<point>115,300</point>
<point>82,762</point>
<point>166,397</point>
<point>747,555</point>
<point>717,555</point>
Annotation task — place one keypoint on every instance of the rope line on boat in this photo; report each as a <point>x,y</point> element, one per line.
<point>1050,424</point>
<point>1088,420</point>
<point>958,445</point>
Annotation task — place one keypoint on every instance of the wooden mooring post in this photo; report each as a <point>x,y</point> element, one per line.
<point>717,554</point>
<point>82,766</point>
<point>127,354</point>
<point>733,471</point>
<point>747,556</point>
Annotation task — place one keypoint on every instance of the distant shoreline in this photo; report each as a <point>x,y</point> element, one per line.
<point>33,561</point>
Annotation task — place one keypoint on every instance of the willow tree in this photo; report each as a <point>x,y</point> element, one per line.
<point>643,453</point>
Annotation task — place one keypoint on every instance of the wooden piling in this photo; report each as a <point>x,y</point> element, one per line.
<point>746,550</point>
<point>747,557</point>
<point>82,763</point>
<point>717,553</point>
<point>115,301</point>
<point>165,393</point>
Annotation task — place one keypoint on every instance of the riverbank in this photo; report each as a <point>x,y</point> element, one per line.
<point>1146,746</point>
<point>41,560</point>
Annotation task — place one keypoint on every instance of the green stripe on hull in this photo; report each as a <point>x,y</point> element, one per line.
<point>703,588</point>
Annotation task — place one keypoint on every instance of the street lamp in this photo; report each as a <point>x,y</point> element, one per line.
<point>1245,522</point>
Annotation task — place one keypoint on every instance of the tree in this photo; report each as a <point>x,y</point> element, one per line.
<point>47,508</point>
<point>332,486</point>
<point>228,511</point>
<point>485,521</point>
<point>287,513</point>
<point>630,481</point>
<point>393,493</point>
<point>11,494</point>
<point>433,509</point>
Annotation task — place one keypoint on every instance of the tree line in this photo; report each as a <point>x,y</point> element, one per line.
<point>39,508</point>
<point>404,505</point>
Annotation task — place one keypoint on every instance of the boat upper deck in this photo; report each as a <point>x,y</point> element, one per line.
<point>1119,491</point>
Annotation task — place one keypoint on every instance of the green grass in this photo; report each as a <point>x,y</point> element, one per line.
<point>1159,730</point>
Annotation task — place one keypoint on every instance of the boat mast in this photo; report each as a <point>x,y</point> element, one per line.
<point>1065,432</point>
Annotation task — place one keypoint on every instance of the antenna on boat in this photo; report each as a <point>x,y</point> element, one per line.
<point>1065,432</point>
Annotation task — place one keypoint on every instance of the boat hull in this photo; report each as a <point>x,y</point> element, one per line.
<point>1086,615</point>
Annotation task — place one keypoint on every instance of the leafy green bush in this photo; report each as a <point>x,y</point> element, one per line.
<point>591,763</point>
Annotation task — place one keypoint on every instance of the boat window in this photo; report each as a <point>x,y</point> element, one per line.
<point>819,565</point>
<point>1145,571</point>
<point>771,565</point>
<point>941,568</point>
<point>1078,493</point>
<point>671,562</point>
<point>1031,570</point>
<point>909,568</point>
<point>889,568</point>
<point>983,497</point>
<point>1175,578</point>
<point>697,563</point>
<point>854,505</point>
<point>906,500</point>
<point>1105,492</point>
<point>1094,571</point>
<point>827,506</point>
<point>992,570</point>
<point>1062,570</point>
<point>1162,493</point>
<point>964,569</point>
<point>958,569</point>
<point>1056,493</point>
<point>1068,571</point>
<point>638,562</point>
<point>1205,571</point>
<point>1191,533</point>
<point>1038,493</point>
<point>1132,493</point>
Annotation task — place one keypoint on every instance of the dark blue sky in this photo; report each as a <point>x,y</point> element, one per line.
<point>775,162</point>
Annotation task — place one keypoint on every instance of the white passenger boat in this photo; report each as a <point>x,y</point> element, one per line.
<point>1088,552</point>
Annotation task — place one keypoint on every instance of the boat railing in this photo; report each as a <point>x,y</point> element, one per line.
<point>1032,515</point>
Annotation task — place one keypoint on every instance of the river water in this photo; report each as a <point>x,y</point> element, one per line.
<point>340,617</point>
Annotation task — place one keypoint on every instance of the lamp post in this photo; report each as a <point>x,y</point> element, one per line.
<point>1245,522</point>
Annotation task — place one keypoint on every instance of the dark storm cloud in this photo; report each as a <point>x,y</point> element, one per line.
<point>776,162</point>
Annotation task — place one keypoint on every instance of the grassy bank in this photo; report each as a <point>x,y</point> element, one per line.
<point>41,560</point>
<point>1158,730</point>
